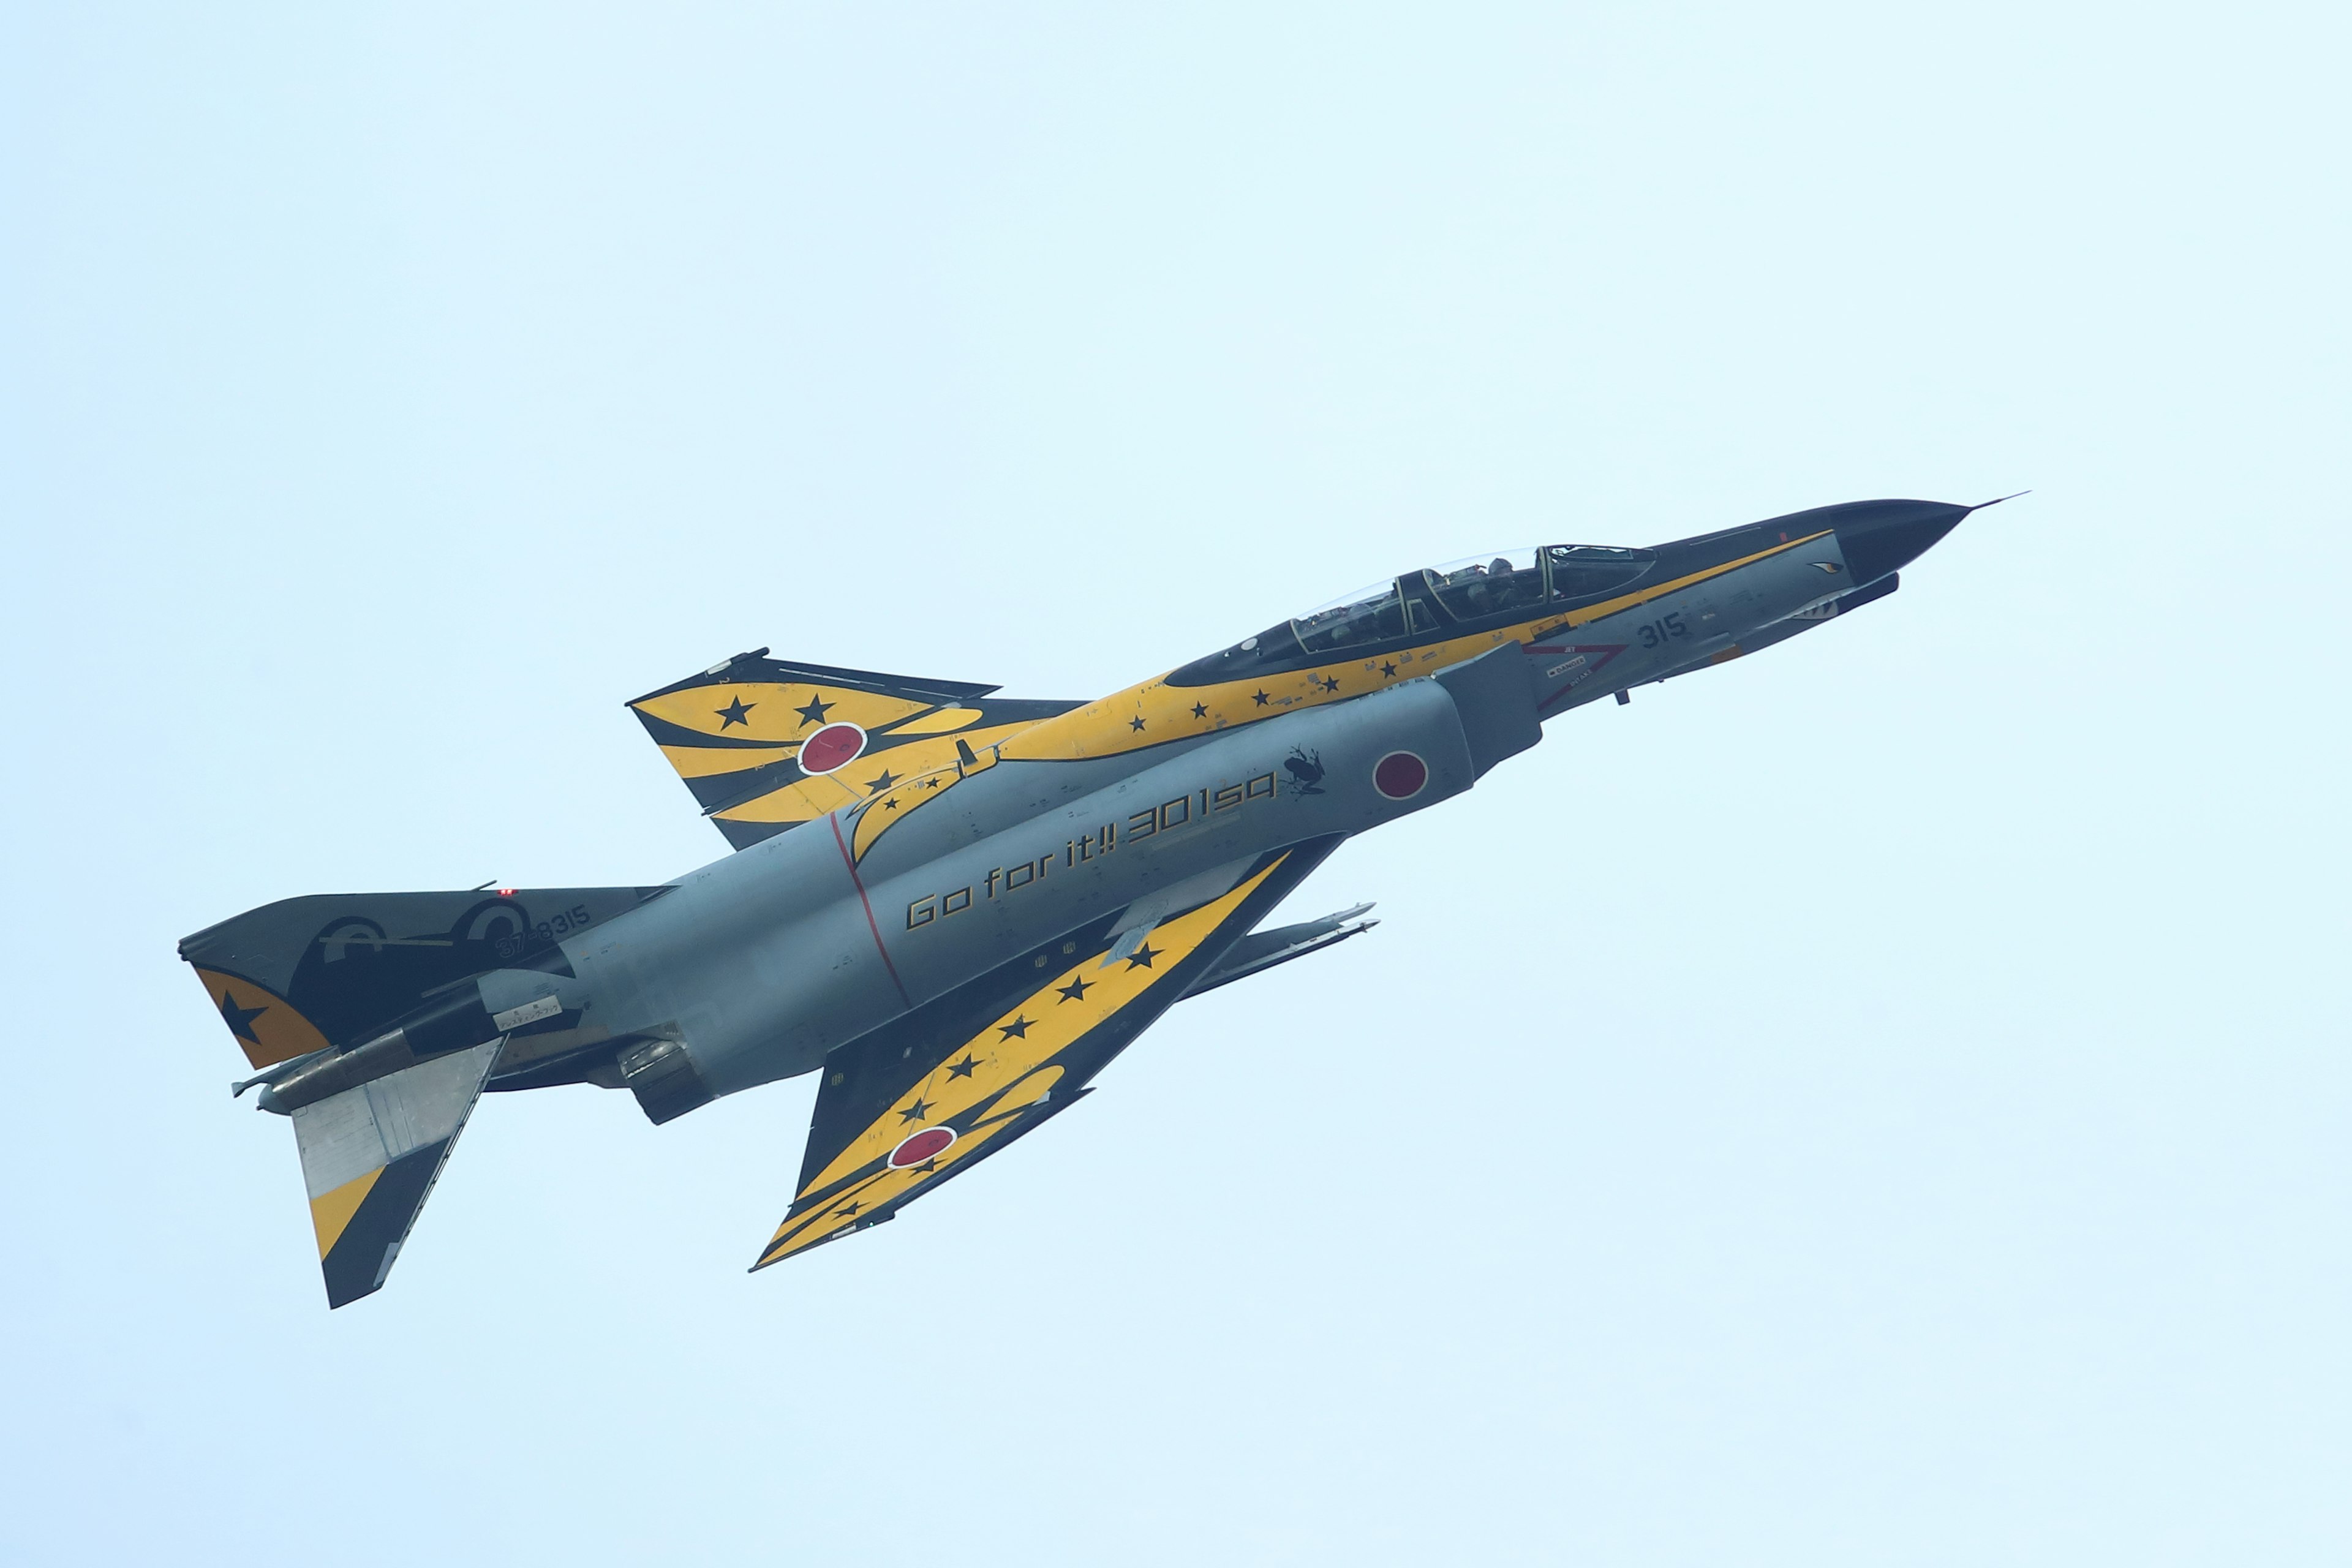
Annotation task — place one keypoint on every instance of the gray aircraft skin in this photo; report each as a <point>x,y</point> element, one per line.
<point>960,908</point>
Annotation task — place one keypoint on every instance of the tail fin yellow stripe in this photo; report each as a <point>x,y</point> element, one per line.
<point>266,1025</point>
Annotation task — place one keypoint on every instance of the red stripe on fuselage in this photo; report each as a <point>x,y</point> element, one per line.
<point>834,819</point>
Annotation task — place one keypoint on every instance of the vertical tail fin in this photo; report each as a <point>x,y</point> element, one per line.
<point>321,977</point>
<point>305,975</point>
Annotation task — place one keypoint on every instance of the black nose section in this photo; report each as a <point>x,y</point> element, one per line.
<point>1880,536</point>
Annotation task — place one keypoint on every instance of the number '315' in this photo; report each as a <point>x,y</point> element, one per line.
<point>1658,631</point>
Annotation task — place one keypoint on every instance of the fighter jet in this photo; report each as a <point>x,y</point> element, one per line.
<point>956,907</point>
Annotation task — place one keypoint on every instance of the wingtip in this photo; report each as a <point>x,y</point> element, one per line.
<point>724,665</point>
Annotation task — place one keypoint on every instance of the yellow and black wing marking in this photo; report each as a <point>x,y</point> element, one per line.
<point>765,743</point>
<point>923,1098</point>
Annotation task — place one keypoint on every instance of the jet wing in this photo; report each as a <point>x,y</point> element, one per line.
<point>930,1094</point>
<point>766,744</point>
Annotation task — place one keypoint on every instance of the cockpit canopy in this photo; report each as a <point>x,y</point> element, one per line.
<point>1472,594</point>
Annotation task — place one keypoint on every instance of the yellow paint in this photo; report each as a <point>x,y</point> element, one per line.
<point>910,765</point>
<point>892,804</point>
<point>1054,1024</point>
<point>805,800</point>
<point>703,762</point>
<point>946,719</point>
<point>772,710</point>
<point>1027,1092</point>
<point>1016,1071</point>
<point>280,1032</point>
<point>801,1231</point>
<point>331,1213</point>
<point>804,1230</point>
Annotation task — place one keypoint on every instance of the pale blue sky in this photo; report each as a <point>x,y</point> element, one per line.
<point>1882,1103</point>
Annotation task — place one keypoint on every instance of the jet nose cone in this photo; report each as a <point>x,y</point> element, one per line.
<point>1884,535</point>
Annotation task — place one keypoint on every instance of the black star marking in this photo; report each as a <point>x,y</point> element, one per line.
<point>1388,667</point>
<point>890,805</point>
<point>1136,723</point>
<point>1330,683</point>
<point>847,1209</point>
<point>1016,1030</point>
<point>1075,991</point>
<point>816,710</point>
<point>1200,710</point>
<point>963,1068</point>
<point>916,1112</point>
<point>240,1019</point>
<point>1142,956</point>
<point>931,784</point>
<point>927,1167</point>
<point>737,711</point>
<point>875,786</point>
<point>1258,698</point>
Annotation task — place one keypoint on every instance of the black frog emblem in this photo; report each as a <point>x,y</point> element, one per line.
<point>1306,770</point>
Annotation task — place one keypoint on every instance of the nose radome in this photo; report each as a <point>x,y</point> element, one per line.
<point>1890,534</point>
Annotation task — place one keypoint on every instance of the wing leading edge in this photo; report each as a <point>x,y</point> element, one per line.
<point>925,1098</point>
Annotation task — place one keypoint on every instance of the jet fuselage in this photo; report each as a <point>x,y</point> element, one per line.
<point>756,965</point>
<point>960,908</point>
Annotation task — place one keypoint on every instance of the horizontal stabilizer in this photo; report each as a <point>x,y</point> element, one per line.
<point>766,743</point>
<point>370,1155</point>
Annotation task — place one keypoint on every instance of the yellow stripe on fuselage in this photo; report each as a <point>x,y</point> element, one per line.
<point>1154,712</point>
<point>1108,727</point>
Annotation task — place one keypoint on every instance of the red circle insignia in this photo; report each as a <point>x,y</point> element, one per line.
<point>1400,775</point>
<point>917,1147</point>
<point>834,746</point>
